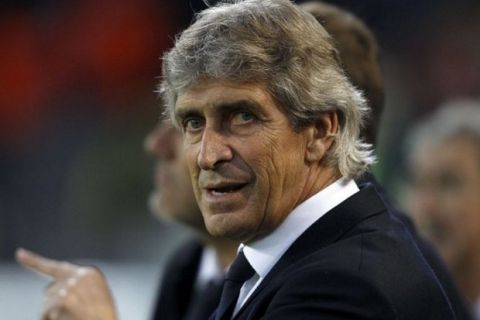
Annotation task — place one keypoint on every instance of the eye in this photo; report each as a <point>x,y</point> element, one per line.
<point>192,124</point>
<point>242,117</point>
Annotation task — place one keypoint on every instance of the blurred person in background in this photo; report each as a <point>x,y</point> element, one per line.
<point>173,196</point>
<point>191,286</point>
<point>360,57</point>
<point>445,198</point>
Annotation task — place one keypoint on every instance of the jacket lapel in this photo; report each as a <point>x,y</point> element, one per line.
<point>326,230</point>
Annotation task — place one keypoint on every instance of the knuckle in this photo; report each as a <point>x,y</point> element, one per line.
<point>64,265</point>
<point>72,281</point>
<point>88,272</point>
<point>62,292</point>
<point>82,272</point>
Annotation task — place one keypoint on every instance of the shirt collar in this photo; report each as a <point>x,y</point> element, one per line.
<point>264,253</point>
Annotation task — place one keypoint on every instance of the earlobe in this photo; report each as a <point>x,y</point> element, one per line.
<point>321,136</point>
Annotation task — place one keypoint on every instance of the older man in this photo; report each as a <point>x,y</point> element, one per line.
<point>359,54</point>
<point>270,127</point>
<point>360,57</point>
<point>445,199</point>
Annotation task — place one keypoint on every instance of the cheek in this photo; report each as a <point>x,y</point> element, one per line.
<point>279,170</point>
<point>258,160</point>
<point>458,221</point>
<point>457,209</point>
<point>255,155</point>
<point>189,159</point>
<point>471,215</point>
<point>285,164</point>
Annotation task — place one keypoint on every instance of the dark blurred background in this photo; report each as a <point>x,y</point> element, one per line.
<point>77,81</point>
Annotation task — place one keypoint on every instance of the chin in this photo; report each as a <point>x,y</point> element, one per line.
<point>225,226</point>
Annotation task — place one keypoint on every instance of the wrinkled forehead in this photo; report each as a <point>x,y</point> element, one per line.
<point>214,93</point>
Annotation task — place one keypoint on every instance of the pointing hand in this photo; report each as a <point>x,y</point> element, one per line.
<point>75,293</point>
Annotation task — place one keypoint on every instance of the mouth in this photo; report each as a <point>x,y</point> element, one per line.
<point>222,197</point>
<point>224,189</point>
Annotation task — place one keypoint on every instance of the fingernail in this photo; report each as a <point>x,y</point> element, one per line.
<point>21,254</point>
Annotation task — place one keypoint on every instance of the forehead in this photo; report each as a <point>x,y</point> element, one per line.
<point>455,153</point>
<point>209,96</point>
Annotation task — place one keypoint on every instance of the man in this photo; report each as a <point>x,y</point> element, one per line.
<point>359,54</point>
<point>191,285</point>
<point>270,127</point>
<point>360,58</point>
<point>244,116</point>
<point>444,162</point>
<point>173,196</point>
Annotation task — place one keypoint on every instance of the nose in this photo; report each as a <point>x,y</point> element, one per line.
<point>160,142</point>
<point>214,149</point>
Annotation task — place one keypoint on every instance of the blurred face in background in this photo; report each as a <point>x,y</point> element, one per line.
<point>172,197</point>
<point>446,198</point>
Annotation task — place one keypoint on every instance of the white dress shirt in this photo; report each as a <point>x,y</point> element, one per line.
<point>209,268</point>
<point>265,253</point>
<point>476,310</point>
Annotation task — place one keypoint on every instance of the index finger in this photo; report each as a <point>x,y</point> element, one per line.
<point>47,267</point>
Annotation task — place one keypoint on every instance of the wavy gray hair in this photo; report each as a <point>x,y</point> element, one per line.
<point>272,42</point>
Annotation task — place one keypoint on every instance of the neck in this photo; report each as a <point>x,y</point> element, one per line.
<point>225,249</point>
<point>319,180</point>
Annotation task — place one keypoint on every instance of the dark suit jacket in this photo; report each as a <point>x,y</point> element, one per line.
<point>177,286</point>
<point>457,301</point>
<point>356,262</point>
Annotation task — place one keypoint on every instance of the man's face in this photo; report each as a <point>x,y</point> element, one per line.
<point>246,162</point>
<point>172,197</point>
<point>446,200</point>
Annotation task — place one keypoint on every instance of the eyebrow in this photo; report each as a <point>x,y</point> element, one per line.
<point>223,107</point>
<point>184,113</point>
<point>251,105</point>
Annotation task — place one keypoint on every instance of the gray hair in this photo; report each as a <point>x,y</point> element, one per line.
<point>455,118</point>
<point>273,42</point>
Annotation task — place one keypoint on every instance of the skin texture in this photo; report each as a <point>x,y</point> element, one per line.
<point>446,202</point>
<point>249,167</point>
<point>75,292</point>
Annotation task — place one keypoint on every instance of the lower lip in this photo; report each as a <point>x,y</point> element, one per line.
<point>223,197</point>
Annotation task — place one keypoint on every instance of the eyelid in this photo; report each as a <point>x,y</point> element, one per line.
<point>243,110</point>
<point>187,119</point>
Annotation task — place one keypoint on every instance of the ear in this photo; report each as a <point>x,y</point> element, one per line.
<point>320,136</point>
